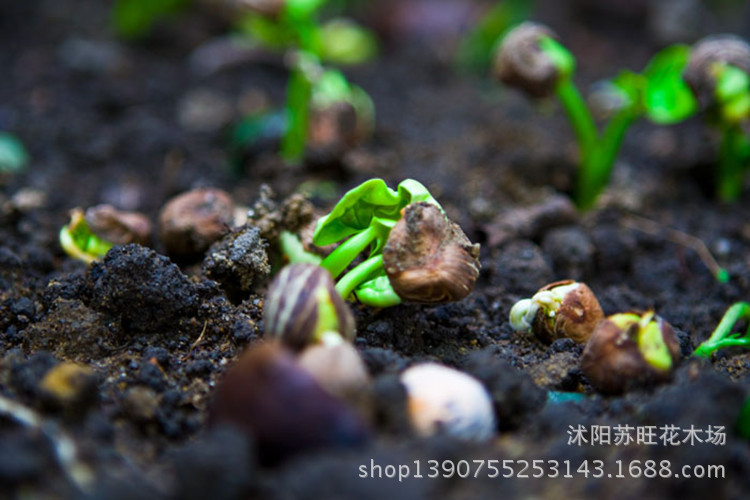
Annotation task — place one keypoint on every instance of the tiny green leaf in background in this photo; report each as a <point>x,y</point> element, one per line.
<point>668,98</point>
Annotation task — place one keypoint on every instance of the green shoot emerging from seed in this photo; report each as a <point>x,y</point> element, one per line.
<point>79,242</point>
<point>719,74</point>
<point>426,259</point>
<point>531,58</point>
<point>723,336</point>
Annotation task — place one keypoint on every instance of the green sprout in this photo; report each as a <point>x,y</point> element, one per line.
<point>718,73</point>
<point>393,245</point>
<point>79,241</point>
<point>293,26</point>
<point>328,89</point>
<point>363,219</point>
<point>659,93</point>
<point>723,336</point>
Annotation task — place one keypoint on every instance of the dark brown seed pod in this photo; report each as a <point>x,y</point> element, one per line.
<point>630,350</point>
<point>428,258</point>
<point>118,227</point>
<point>699,74</point>
<point>190,222</point>
<point>302,307</point>
<point>559,310</point>
<point>522,64</point>
<point>268,396</point>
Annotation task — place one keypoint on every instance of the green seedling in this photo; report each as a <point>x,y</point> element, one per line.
<point>723,336</point>
<point>13,155</point>
<point>292,26</point>
<point>531,58</point>
<point>719,74</point>
<point>79,242</point>
<point>337,114</point>
<point>393,245</point>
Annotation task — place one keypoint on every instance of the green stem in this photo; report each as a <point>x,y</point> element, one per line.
<point>358,275</point>
<point>602,159</point>
<point>730,172</point>
<point>345,253</point>
<point>292,248</point>
<point>586,135</point>
<point>721,336</point>
<point>298,97</point>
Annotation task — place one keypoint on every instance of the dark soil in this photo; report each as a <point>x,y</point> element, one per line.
<point>105,122</point>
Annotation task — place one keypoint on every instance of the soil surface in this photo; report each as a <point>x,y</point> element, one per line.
<point>135,123</point>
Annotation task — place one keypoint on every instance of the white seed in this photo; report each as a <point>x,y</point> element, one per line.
<point>444,400</point>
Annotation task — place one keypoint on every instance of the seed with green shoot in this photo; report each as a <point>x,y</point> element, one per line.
<point>707,59</point>
<point>558,310</point>
<point>302,308</point>
<point>428,258</point>
<point>520,62</point>
<point>118,226</point>
<point>80,242</point>
<point>629,350</point>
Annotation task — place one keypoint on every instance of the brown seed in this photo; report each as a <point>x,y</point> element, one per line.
<point>428,258</point>
<point>575,318</point>
<point>699,76</point>
<point>267,395</point>
<point>302,306</point>
<point>522,64</point>
<point>190,222</point>
<point>118,227</point>
<point>613,362</point>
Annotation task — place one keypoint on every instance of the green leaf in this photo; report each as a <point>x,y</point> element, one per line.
<point>13,156</point>
<point>668,98</point>
<point>134,18</point>
<point>370,202</point>
<point>345,42</point>
<point>732,92</point>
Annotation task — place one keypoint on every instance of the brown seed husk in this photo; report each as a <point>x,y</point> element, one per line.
<point>613,363</point>
<point>521,63</point>
<point>428,258</point>
<point>578,315</point>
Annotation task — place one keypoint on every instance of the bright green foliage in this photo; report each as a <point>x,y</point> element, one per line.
<point>134,18</point>
<point>13,155</point>
<point>78,241</point>
<point>475,51</point>
<point>362,221</point>
<point>723,336</point>
<point>668,99</point>
<point>659,93</point>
